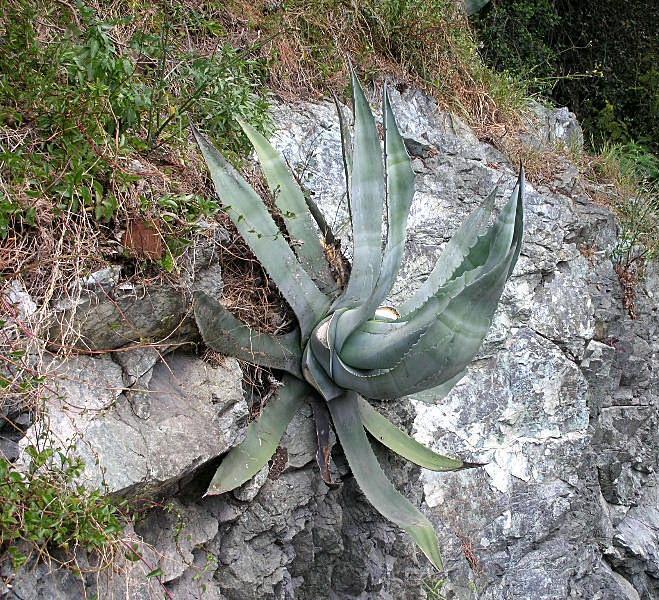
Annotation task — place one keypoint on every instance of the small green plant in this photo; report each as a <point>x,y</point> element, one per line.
<point>434,588</point>
<point>634,173</point>
<point>43,508</point>
<point>633,161</point>
<point>12,215</point>
<point>639,223</point>
<point>65,109</point>
<point>348,347</point>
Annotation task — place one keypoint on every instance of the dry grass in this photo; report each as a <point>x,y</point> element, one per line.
<point>429,45</point>
<point>628,275</point>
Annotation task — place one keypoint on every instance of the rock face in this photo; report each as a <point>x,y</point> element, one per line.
<point>561,404</point>
<point>140,422</point>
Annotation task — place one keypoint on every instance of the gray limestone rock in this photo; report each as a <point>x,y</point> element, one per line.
<point>143,423</point>
<point>105,313</point>
<point>556,126</point>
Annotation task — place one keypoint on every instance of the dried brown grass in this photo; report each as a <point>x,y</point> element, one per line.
<point>310,45</point>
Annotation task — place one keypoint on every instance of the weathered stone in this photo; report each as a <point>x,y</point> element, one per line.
<point>16,296</point>
<point>563,310</point>
<point>300,439</point>
<point>107,313</point>
<point>636,541</point>
<point>105,320</point>
<point>556,126</point>
<point>176,531</point>
<point>145,427</point>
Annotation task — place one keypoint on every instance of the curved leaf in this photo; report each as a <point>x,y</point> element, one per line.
<point>399,194</point>
<point>380,344</point>
<point>256,226</point>
<point>443,350</point>
<point>263,436</point>
<point>393,438</point>
<point>225,334</point>
<point>519,218</point>
<point>400,191</point>
<point>379,491</point>
<point>291,202</point>
<point>452,339</point>
<point>453,255</point>
<point>366,199</point>
<point>317,376</point>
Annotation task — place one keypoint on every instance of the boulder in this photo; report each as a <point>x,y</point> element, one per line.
<point>141,422</point>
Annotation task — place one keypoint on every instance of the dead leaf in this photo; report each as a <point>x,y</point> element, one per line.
<point>143,240</point>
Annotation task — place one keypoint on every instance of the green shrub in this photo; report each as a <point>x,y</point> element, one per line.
<point>43,508</point>
<point>634,173</point>
<point>591,56</point>
<point>75,104</point>
<point>635,161</point>
<point>517,37</point>
<point>68,104</point>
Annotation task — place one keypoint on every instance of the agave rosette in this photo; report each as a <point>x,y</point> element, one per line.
<point>346,347</point>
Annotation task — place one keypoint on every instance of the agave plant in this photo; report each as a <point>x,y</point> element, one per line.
<point>347,347</point>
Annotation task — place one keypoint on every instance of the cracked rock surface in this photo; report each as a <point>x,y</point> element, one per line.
<point>143,423</point>
<point>561,405</point>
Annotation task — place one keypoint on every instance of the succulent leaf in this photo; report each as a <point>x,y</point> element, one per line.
<point>366,203</point>
<point>451,340</point>
<point>519,218</point>
<point>382,344</point>
<point>222,332</point>
<point>379,491</point>
<point>263,436</point>
<point>388,434</point>
<point>316,375</point>
<point>251,217</point>
<point>290,200</point>
<point>454,254</point>
<point>399,193</point>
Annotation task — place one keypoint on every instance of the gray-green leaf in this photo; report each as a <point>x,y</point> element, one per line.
<point>289,198</point>
<point>262,438</point>
<point>225,334</point>
<point>393,438</point>
<point>258,229</point>
<point>379,491</point>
